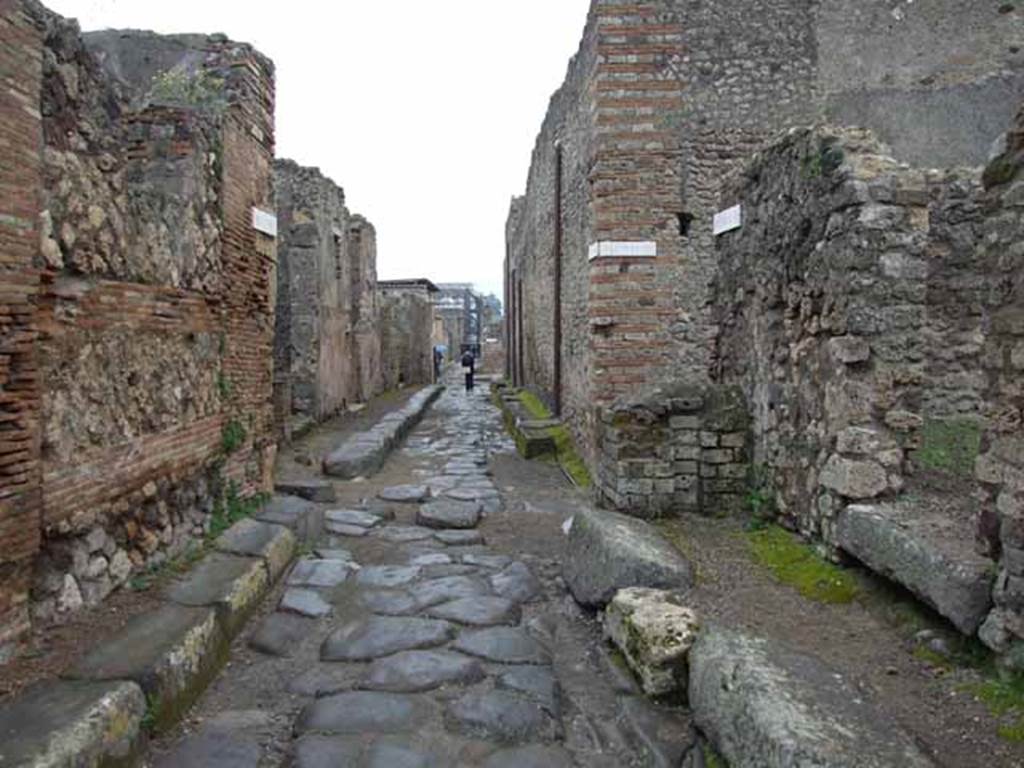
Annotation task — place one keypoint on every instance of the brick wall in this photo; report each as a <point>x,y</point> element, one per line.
<point>153,320</point>
<point>20,182</point>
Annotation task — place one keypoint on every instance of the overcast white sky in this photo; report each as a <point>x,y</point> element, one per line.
<point>425,112</point>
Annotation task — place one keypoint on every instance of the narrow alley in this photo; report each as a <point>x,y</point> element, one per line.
<point>411,635</point>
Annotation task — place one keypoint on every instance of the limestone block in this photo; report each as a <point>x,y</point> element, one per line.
<point>655,632</point>
<point>764,705</point>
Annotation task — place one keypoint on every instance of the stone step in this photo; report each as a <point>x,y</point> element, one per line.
<point>931,554</point>
<point>764,705</point>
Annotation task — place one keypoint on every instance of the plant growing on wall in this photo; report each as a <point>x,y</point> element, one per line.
<point>192,89</point>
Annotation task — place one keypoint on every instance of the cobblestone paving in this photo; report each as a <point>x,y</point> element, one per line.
<point>407,637</point>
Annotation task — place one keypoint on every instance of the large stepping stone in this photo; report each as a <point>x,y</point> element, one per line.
<point>415,671</point>
<point>762,704</point>
<point>324,574</point>
<point>505,645</point>
<point>61,723</point>
<point>363,712</point>
<point>502,716</point>
<point>454,538</point>
<point>274,544</point>
<point>607,552</point>
<point>302,517</point>
<point>356,459</point>
<point>304,602</point>
<point>379,636</point>
<point>404,534</point>
<point>319,491</point>
<point>537,683</point>
<point>534,756</point>
<point>279,634</point>
<point>357,518</point>
<point>448,588</point>
<point>516,582</point>
<point>405,494</point>
<point>478,611</point>
<point>449,514</point>
<point>933,557</point>
<point>388,576</point>
<point>233,585</point>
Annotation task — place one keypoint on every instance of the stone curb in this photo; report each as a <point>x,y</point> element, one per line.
<point>364,454</point>
<point>532,437</point>
<point>150,674</point>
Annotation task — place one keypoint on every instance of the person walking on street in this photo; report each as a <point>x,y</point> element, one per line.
<point>468,368</point>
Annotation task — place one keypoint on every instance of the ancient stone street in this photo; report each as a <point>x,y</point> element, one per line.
<point>429,626</point>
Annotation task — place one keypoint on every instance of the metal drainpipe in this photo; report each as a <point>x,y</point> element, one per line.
<point>558,280</point>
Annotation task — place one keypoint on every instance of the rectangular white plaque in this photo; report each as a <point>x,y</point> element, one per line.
<point>728,220</point>
<point>623,249</point>
<point>264,221</point>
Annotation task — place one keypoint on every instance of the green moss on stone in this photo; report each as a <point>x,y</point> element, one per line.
<point>949,446</point>
<point>712,759</point>
<point>794,563</point>
<point>568,457</point>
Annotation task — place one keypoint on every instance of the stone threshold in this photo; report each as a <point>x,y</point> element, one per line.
<point>102,710</point>
<point>363,454</point>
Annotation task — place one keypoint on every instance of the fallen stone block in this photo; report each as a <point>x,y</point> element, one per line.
<point>319,491</point>
<point>171,653</point>
<point>302,517</point>
<point>274,544</point>
<point>607,552</point>
<point>763,705</point>
<point>655,632</point>
<point>932,556</point>
<point>73,724</point>
<point>233,585</point>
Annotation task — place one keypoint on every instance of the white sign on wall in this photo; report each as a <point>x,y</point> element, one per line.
<point>728,220</point>
<point>264,221</point>
<point>623,249</point>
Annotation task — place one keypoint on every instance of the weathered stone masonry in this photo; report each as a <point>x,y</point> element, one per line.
<point>327,343</point>
<point>151,295</point>
<point>663,101</point>
<point>407,317</point>
<point>852,349</point>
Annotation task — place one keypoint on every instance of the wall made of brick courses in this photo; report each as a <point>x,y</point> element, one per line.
<point>155,310</point>
<point>21,144</point>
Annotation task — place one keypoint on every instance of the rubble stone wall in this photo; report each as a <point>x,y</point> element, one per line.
<point>1000,463</point>
<point>871,314</point>
<point>154,305</point>
<point>366,309</point>
<point>406,328</point>
<point>314,345</point>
